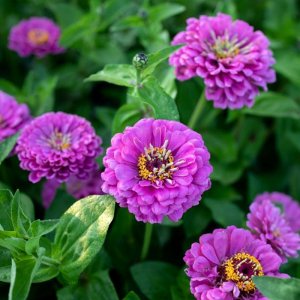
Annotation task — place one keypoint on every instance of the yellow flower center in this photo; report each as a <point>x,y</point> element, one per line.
<point>38,36</point>
<point>59,141</point>
<point>156,164</point>
<point>240,269</point>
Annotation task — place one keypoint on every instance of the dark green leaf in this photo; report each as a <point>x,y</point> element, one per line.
<point>274,105</point>
<point>163,105</point>
<point>131,296</point>
<point>181,288</point>
<point>164,11</point>
<point>5,211</point>
<point>20,221</point>
<point>22,273</point>
<point>81,233</point>
<point>226,173</point>
<point>127,115</point>
<point>277,288</point>
<point>225,213</point>
<point>86,26</point>
<point>154,279</point>
<point>6,146</point>
<point>124,75</point>
<point>288,64</point>
<point>98,286</point>
<point>154,59</point>
<point>222,145</point>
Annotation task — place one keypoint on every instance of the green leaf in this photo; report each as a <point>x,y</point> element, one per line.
<point>5,211</point>
<point>225,213</point>
<point>277,288</point>
<point>226,173</point>
<point>181,289</point>
<point>36,230</point>
<point>154,279</point>
<point>85,26</point>
<point>20,221</point>
<point>27,206</point>
<point>7,146</point>
<point>22,273</point>
<point>154,59</point>
<point>45,95</point>
<point>126,115</point>
<point>288,64</point>
<point>163,105</point>
<point>80,234</point>
<point>42,227</point>
<point>274,105</point>
<point>222,145</point>
<point>98,286</point>
<point>124,75</point>
<point>195,220</point>
<point>5,265</point>
<point>65,13</point>
<point>164,11</point>
<point>132,296</point>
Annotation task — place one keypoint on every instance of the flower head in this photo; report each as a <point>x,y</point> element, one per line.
<point>269,225</point>
<point>222,264</point>
<point>58,145</point>
<point>37,36</point>
<point>290,208</point>
<point>157,168</point>
<point>13,116</point>
<point>78,188</point>
<point>232,58</point>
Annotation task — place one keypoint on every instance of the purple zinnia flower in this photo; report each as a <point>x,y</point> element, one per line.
<point>78,188</point>
<point>290,208</point>
<point>13,116</point>
<point>37,36</point>
<point>57,145</point>
<point>268,224</point>
<point>222,264</point>
<point>233,59</point>
<point>157,168</point>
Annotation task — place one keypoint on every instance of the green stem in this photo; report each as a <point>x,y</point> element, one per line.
<point>50,261</point>
<point>138,78</point>
<point>197,111</point>
<point>147,240</point>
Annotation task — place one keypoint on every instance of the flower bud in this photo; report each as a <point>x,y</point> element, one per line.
<point>140,61</point>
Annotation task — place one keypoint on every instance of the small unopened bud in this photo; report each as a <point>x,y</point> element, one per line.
<point>140,61</point>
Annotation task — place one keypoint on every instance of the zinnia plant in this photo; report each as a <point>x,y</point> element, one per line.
<point>35,36</point>
<point>233,59</point>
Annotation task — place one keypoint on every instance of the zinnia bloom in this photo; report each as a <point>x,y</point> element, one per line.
<point>78,188</point>
<point>269,225</point>
<point>157,168</point>
<point>37,36</point>
<point>222,264</point>
<point>290,208</point>
<point>232,58</point>
<point>13,116</point>
<point>58,145</point>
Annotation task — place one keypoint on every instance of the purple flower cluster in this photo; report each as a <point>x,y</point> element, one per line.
<point>222,264</point>
<point>233,59</point>
<point>37,36</point>
<point>269,224</point>
<point>157,168</point>
<point>58,145</point>
<point>78,188</point>
<point>13,116</point>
